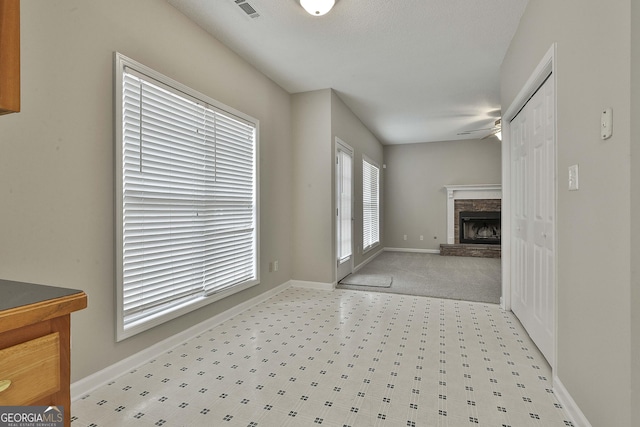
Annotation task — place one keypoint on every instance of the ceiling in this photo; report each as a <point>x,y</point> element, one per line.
<point>411,70</point>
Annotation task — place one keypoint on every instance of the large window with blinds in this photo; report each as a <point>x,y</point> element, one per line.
<point>187,191</point>
<point>370,204</point>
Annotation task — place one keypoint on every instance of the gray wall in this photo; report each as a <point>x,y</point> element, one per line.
<point>312,190</point>
<point>317,118</point>
<point>594,245</point>
<point>414,180</point>
<point>346,126</point>
<point>57,155</point>
<point>635,210</point>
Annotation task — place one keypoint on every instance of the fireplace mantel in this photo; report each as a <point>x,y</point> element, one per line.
<point>475,191</point>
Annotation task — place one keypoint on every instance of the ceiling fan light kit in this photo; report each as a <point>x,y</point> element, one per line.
<point>498,126</point>
<point>496,130</point>
<point>317,7</point>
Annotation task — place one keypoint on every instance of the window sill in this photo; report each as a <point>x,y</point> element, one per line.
<point>160,318</point>
<point>370,248</point>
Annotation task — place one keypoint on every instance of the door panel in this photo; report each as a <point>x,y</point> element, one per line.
<point>534,181</point>
<point>521,211</point>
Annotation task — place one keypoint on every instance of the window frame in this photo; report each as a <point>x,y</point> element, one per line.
<point>122,331</point>
<point>343,147</point>
<point>366,159</point>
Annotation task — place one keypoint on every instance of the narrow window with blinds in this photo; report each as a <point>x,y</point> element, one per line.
<point>344,205</point>
<point>187,199</point>
<point>370,205</point>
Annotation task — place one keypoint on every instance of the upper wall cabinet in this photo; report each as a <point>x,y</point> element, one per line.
<point>9,56</point>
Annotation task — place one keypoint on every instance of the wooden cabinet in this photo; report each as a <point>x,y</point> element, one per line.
<point>35,325</point>
<point>9,56</point>
<point>31,370</point>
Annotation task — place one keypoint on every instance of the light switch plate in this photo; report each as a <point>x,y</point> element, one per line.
<point>573,178</point>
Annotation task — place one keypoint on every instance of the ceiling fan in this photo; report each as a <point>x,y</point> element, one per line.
<point>495,130</point>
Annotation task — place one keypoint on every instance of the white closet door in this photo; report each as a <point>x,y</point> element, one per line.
<point>521,280</point>
<point>534,181</point>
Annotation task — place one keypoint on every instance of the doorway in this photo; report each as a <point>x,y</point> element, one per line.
<point>529,168</point>
<point>344,210</point>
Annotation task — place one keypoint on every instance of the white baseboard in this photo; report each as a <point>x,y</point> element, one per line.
<point>419,251</point>
<point>575,414</point>
<point>313,285</point>
<point>367,261</point>
<point>88,384</point>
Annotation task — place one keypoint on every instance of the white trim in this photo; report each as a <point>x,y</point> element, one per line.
<point>371,248</point>
<point>473,188</point>
<point>547,66</point>
<point>413,250</point>
<point>467,192</point>
<point>340,145</point>
<point>374,245</point>
<point>576,416</point>
<point>321,286</point>
<point>87,384</point>
<point>505,219</point>
<point>537,78</point>
<point>371,161</point>
<point>367,261</point>
<point>122,63</point>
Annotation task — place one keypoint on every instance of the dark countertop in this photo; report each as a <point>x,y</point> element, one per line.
<point>18,294</point>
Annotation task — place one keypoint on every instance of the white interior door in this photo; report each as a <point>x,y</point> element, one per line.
<point>344,209</point>
<point>533,181</point>
<point>521,279</point>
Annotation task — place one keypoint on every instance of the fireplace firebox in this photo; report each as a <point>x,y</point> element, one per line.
<point>479,228</point>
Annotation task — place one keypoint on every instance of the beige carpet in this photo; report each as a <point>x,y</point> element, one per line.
<point>432,275</point>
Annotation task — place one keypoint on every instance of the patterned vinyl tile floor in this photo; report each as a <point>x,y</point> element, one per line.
<point>342,358</point>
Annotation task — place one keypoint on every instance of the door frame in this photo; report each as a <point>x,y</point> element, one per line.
<point>340,145</point>
<point>545,67</point>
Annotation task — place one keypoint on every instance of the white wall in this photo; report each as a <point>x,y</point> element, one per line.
<point>593,258</point>
<point>57,155</point>
<point>416,201</point>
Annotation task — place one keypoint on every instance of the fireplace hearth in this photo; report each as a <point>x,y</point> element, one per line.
<point>480,228</point>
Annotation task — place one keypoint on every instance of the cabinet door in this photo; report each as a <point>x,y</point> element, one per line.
<point>9,56</point>
<point>30,371</point>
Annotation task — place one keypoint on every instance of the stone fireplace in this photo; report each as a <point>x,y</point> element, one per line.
<point>473,221</point>
<point>479,228</point>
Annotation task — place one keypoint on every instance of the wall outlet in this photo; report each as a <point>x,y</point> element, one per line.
<point>421,237</point>
<point>405,237</point>
<point>275,265</point>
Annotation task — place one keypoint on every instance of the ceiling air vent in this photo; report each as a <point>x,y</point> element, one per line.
<point>247,8</point>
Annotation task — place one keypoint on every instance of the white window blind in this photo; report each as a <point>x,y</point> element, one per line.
<point>188,197</point>
<point>344,230</point>
<point>370,205</point>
